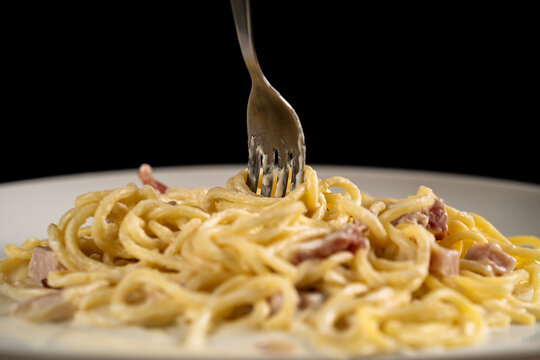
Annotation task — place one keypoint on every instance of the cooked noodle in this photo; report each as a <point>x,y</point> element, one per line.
<point>207,259</point>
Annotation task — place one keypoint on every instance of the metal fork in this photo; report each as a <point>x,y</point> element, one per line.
<point>276,145</point>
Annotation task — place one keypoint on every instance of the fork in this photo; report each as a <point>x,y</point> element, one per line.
<point>276,145</point>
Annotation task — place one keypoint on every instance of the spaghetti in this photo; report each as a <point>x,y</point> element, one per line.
<point>343,270</point>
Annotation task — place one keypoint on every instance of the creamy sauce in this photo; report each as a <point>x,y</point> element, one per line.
<point>21,337</point>
<point>70,339</point>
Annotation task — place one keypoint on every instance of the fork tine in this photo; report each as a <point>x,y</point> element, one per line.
<point>267,176</point>
<point>253,168</point>
<point>297,175</point>
<point>282,175</point>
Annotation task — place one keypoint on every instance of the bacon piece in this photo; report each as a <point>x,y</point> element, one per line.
<point>443,261</point>
<point>492,254</point>
<point>434,219</point>
<point>350,238</point>
<point>50,307</point>
<point>145,175</point>
<point>42,262</point>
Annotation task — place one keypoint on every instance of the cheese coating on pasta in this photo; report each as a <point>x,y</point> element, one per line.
<point>328,263</point>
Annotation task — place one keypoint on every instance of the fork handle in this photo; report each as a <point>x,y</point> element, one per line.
<point>242,19</point>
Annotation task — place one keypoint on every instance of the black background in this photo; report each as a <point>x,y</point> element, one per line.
<point>447,87</point>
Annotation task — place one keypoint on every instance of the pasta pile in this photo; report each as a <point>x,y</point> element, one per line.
<point>334,266</point>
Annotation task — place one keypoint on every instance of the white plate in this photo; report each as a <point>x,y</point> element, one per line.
<point>27,207</point>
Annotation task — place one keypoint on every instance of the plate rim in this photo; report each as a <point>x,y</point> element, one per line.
<point>373,170</point>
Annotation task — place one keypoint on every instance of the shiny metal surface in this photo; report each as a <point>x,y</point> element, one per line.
<point>275,137</point>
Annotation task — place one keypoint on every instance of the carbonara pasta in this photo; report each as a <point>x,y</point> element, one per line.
<point>328,263</point>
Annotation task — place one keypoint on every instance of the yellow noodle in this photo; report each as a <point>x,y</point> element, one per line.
<point>208,258</point>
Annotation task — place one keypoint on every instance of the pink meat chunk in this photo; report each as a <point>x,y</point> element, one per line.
<point>443,261</point>
<point>492,254</point>
<point>42,262</point>
<point>434,219</point>
<point>350,238</point>
<point>145,175</point>
<point>50,307</point>
<point>306,299</point>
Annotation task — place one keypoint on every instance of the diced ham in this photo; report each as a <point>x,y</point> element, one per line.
<point>310,298</point>
<point>438,218</point>
<point>434,218</point>
<point>307,299</point>
<point>492,254</point>
<point>350,238</point>
<point>443,261</point>
<point>145,175</point>
<point>50,307</point>
<point>42,262</point>
<point>275,301</point>
<point>418,217</point>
